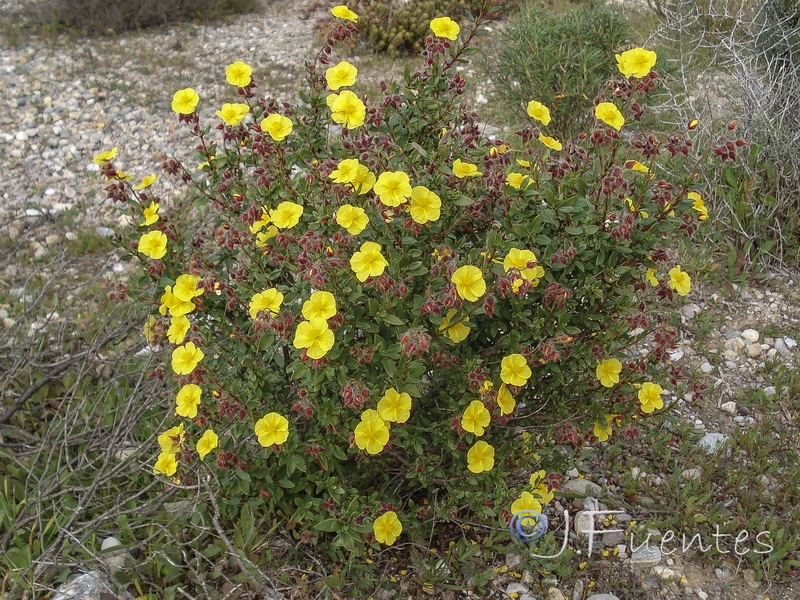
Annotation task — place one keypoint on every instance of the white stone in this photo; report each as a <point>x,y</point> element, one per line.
<point>754,350</point>
<point>769,391</point>
<point>665,573</point>
<point>71,236</point>
<point>516,588</point>
<point>84,586</point>
<point>790,343</point>
<point>706,368</point>
<point>691,474</point>
<point>554,594</point>
<point>581,487</point>
<point>710,442</point>
<point>645,556</point>
<point>735,344</point>
<point>676,354</point>
<point>750,335</point>
<point>104,231</point>
<point>728,407</point>
<point>702,595</point>
<point>722,573</point>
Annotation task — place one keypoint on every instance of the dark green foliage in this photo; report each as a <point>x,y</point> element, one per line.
<point>103,16</point>
<point>561,60</point>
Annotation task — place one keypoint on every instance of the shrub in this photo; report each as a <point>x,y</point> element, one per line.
<point>754,51</point>
<point>395,27</point>
<point>560,59</point>
<point>102,16</point>
<point>391,325</point>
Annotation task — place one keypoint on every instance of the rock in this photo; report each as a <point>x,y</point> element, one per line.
<point>71,236</point>
<point>735,345</point>
<point>645,556</point>
<point>513,560</point>
<point>516,588</point>
<point>754,350</point>
<point>749,576</point>
<point>88,586</point>
<point>750,335</point>
<point>555,594</point>
<point>722,573</point>
<point>573,473</point>
<point>782,348</point>
<point>702,595</point>
<point>690,311</point>
<point>691,474</point>
<point>769,391</point>
<point>581,487</point>
<point>52,239</point>
<point>613,538</point>
<point>710,442</point>
<point>791,343</point>
<point>104,231</point>
<point>602,597</point>
<point>115,559</point>
<point>676,354</point>
<point>583,523</point>
<point>577,590</point>
<point>706,368</point>
<point>728,407</point>
<point>665,573</point>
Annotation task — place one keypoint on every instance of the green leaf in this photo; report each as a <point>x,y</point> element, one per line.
<point>393,320</point>
<point>328,525</point>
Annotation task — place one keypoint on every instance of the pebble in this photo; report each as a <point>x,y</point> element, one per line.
<point>722,573</point>
<point>710,442</point>
<point>554,594</point>
<point>791,343</point>
<point>754,350</point>
<point>581,487</point>
<point>691,474</point>
<point>85,586</point>
<point>750,335</point>
<point>516,588</point>
<point>577,590</point>
<point>645,555</point>
<point>728,407</point>
<point>690,311</point>
<point>602,597</point>
<point>665,573</point>
<point>702,595</point>
<point>706,368</point>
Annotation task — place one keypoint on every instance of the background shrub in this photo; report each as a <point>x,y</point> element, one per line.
<point>559,59</point>
<point>100,16</point>
<point>740,61</point>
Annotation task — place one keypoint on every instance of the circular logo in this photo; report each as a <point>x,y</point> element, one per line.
<point>528,525</point>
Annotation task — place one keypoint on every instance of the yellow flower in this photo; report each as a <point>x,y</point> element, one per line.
<point>149,329</point>
<point>425,205</point>
<point>320,305</point>
<point>261,223</point>
<point>698,205</point>
<point>632,208</point>
<point>651,277</point>
<point>638,167</point>
<point>178,328</point>
<point>475,418</point>
<point>505,400</point>
<point>480,457</point>
<point>526,502</point>
<point>348,110</point>
<point>315,336</point>
<point>268,300</point>
<point>150,214</point>
<point>286,215</point>
<point>146,182</point>
<point>121,175</point>
<point>445,27</point>
<point>469,283</point>
<point>636,63</point>
<point>519,260</point>
<point>104,157</point>
<point>368,261</point>
<point>175,307</point>
<point>514,370</point>
<point>650,397</point>
<point>166,464</point>
<point>345,171</point>
<point>187,400</point>
<point>387,528</point>
<point>233,114</point>
<point>342,12</point>
<point>457,332</point>
<point>238,74</point>
<point>342,75</point>
<point>172,439</point>
<point>551,143</point>
<point>272,430</point>
<point>185,101</point>
<point>603,431</point>
<point>186,288</point>
<point>393,188</point>
<point>352,218</point>
<point>363,181</point>
<point>207,443</point>
<point>538,111</point>
<point>524,163</point>
<point>516,180</point>
<point>185,358</point>
<point>394,406</point>
<point>610,115</point>
<point>277,126</point>
<point>462,169</point>
<point>153,244</point>
<point>608,372</point>
<point>680,281</point>
<point>372,433</point>
<point>264,236</point>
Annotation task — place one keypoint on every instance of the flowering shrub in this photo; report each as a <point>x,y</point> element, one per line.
<point>387,314</point>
